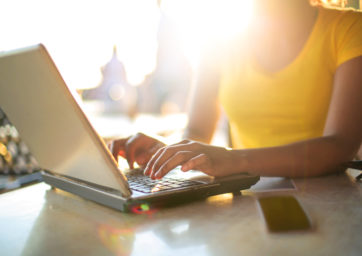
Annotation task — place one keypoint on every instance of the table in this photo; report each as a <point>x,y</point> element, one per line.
<point>38,220</point>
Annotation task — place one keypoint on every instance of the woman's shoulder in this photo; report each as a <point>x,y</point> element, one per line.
<point>341,15</point>
<point>341,23</point>
<point>344,27</point>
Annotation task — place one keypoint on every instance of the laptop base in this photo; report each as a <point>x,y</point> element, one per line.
<point>82,190</point>
<point>114,199</point>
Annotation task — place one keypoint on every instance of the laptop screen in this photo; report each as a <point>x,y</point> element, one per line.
<point>38,102</point>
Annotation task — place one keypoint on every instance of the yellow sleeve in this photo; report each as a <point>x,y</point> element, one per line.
<point>348,36</point>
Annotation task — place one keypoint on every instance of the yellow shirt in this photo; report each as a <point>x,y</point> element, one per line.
<point>271,109</point>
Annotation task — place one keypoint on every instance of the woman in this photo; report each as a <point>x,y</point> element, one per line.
<point>293,98</point>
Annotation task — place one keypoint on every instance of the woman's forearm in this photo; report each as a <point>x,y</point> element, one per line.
<point>197,135</point>
<point>302,159</point>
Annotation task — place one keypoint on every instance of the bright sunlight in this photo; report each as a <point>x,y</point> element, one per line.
<point>81,34</point>
<point>200,21</point>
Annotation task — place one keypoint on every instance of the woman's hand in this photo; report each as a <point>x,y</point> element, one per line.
<point>191,155</point>
<point>138,148</point>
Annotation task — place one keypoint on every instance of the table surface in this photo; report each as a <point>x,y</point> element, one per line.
<point>38,220</point>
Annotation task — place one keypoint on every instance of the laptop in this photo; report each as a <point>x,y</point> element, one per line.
<point>72,155</point>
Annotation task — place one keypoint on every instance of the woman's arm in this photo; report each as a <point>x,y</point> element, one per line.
<point>204,110</point>
<point>339,143</point>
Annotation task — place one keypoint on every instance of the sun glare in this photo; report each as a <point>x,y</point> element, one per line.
<point>200,21</point>
<point>80,35</point>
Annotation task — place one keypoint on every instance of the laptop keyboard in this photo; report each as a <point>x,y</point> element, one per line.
<point>139,182</point>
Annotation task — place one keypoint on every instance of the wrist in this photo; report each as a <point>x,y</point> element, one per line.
<point>239,161</point>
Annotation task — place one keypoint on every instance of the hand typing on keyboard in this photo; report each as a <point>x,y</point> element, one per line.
<point>191,155</point>
<point>138,148</point>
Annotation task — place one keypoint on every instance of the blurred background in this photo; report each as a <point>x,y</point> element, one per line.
<point>126,56</point>
<point>131,61</point>
<point>129,55</point>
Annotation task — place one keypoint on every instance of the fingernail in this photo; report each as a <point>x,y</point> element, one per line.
<point>157,175</point>
<point>146,170</point>
<point>184,167</point>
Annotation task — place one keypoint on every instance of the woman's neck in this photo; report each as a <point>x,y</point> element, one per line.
<point>283,27</point>
<point>283,14</point>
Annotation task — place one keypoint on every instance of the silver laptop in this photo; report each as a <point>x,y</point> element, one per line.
<point>74,158</point>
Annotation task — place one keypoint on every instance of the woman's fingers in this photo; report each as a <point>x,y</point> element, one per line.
<point>132,145</point>
<point>151,162</point>
<point>177,159</point>
<point>157,154</point>
<point>200,162</point>
<point>143,146</point>
<point>138,148</point>
<point>166,153</point>
<point>161,160</point>
<point>143,157</point>
<point>117,147</point>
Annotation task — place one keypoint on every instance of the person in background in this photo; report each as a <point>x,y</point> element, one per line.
<point>291,87</point>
